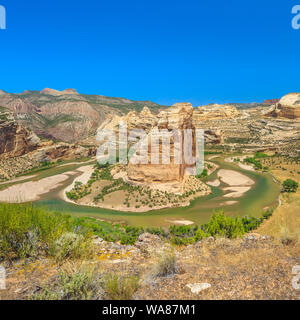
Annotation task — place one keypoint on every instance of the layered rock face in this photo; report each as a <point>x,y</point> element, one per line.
<point>10,167</point>
<point>287,107</point>
<point>214,112</point>
<point>60,151</point>
<point>170,119</point>
<point>22,150</point>
<point>15,140</point>
<point>178,117</point>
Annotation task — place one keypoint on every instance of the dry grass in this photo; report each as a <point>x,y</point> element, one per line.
<point>235,269</point>
<point>285,222</point>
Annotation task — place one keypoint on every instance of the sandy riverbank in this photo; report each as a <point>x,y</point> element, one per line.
<point>237,192</point>
<point>214,183</point>
<point>246,167</point>
<point>32,190</point>
<point>19,179</point>
<point>83,178</point>
<point>234,178</point>
<point>181,222</point>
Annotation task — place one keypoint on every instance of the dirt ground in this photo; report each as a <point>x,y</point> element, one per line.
<point>251,268</point>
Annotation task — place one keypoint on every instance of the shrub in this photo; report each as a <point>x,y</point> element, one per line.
<point>72,245</point>
<point>290,185</point>
<point>221,225</point>
<point>26,230</point>
<point>255,162</point>
<point>166,264</point>
<point>80,285</point>
<point>200,235</point>
<point>120,287</point>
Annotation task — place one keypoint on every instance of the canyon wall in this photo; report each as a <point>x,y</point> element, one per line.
<point>15,140</point>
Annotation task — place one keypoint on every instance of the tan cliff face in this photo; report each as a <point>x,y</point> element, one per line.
<point>15,140</point>
<point>287,107</point>
<point>58,93</point>
<point>214,112</point>
<point>171,119</point>
<point>178,117</point>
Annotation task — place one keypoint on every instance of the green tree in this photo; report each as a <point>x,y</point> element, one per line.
<point>290,185</point>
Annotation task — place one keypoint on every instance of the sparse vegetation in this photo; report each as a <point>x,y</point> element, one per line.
<point>27,231</point>
<point>78,285</point>
<point>120,287</point>
<point>257,164</point>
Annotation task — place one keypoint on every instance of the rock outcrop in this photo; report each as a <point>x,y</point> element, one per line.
<point>287,107</point>
<point>15,140</point>
<point>58,93</point>
<point>48,151</point>
<point>178,117</point>
<point>214,112</point>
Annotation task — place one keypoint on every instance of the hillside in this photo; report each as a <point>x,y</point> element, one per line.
<point>67,115</point>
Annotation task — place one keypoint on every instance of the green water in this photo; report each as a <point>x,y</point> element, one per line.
<point>263,194</point>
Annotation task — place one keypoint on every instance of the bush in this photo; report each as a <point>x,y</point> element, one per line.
<point>26,230</point>
<point>290,185</point>
<point>221,225</point>
<point>72,245</point>
<point>255,162</point>
<point>200,235</point>
<point>120,287</point>
<point>166,264</point>
<point>80,285</point>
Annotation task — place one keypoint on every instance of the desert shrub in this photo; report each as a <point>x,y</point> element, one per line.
<point>157,231</point>
<point>166,264</point>
<point>71,245</point>
<point>120,287</point>
<point>80,285</point>
<point>221,225</point>
<point>290,185</point>
<point>251,223</point>
<point>260,155</point>
<point>200,235</point>
<point>26,230</point>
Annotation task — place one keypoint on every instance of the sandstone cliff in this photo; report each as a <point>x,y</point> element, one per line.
<point>178,117</point>
<point>287,107</point>
<point>15,140</point>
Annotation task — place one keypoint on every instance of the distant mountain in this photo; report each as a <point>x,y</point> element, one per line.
<point>67,115</point>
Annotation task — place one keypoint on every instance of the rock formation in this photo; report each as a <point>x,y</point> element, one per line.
<point>214,112</point>
<point>58,93</point>
<point>287,107</point>
<point>15,140</point>
<point>178,117</point>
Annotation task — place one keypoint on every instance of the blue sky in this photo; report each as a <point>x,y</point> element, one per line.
<point>164,51</point>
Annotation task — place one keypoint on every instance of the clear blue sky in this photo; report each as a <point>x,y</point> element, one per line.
<point>164,51</point>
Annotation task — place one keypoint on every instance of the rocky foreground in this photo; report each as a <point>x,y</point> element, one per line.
<point>255,267</point>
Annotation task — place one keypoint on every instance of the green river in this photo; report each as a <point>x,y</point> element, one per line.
<point>263,194</point>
